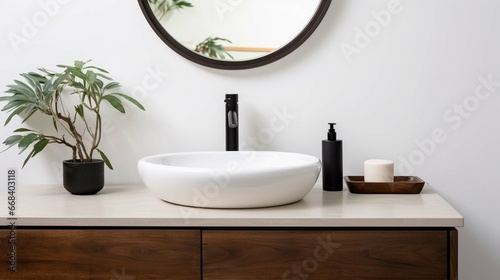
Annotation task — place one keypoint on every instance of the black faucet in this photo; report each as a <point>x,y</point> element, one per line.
<point>231,122</point>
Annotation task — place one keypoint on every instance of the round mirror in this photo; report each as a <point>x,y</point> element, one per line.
<point>234,34</point>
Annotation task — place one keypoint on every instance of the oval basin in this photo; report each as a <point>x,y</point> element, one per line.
<point>242,179</point>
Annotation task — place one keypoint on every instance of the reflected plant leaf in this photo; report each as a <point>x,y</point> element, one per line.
<point>212,48</point>
<point>162,7</point>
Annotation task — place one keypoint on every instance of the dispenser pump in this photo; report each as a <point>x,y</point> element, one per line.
<point>332,135</point>
<point>332,161</point>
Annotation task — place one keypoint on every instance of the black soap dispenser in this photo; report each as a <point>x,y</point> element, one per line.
<point>332,162</point>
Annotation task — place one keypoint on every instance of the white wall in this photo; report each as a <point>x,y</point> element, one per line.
<point>392,94</point>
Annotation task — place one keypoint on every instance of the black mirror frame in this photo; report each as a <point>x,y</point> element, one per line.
<point>235,65</point>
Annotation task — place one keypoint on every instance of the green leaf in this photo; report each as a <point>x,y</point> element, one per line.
<point>54,122</point>
<point>34,83</point>
<point>47,87</point>
<point>100,69</point>
<point>12,140</point>
<point>98,83</point>
<point>115,102</point>
<point>23,130</point>
<point>91,76</point>
<point>94,90</point>
<point>26,141</point>
<point>78,85</point>
<point>105,159</point>
<point>13,104</point>
<point>38,78</point>
<point>79,110</point>
<point>76,72</point>
<point>29,112</point>
<point>60,79</point>
<point>16,112</point>
<point>181,4</point>
<point>39,146</point>
<point>103,76</point>
<point>79,64</point>
<point>211,47</point>
<point>110,86</point>
<point>22,88</point>
<point>64,66</point>
<point>30,155</point>
<point>130,99</point>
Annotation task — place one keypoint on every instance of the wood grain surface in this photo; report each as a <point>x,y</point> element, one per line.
<point>370,254</point>
<point>453,254</point>
<point>129,254</point>
<point>103,254</point>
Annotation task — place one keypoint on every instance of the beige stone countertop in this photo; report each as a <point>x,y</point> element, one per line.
<point>136,206</point>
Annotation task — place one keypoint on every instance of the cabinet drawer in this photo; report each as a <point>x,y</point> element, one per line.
<point>333,254</point>
<point>103,254</point>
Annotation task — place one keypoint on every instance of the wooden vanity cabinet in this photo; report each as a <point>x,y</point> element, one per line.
<point>117,254</point>
<point>218,254</point>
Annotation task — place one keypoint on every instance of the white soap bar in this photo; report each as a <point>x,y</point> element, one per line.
<point>379,170</point>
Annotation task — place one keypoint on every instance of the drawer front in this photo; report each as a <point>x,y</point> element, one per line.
<point>338,254</point>
<point>102,254</point>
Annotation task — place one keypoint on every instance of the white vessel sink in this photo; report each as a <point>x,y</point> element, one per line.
<point>244,179</point>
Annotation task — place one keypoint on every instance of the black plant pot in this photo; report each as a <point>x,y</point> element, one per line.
<point>83,178</point>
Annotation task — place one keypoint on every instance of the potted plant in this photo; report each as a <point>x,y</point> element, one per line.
<point>72,99</point>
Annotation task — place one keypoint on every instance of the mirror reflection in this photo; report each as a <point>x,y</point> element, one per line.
<point>234,30</point>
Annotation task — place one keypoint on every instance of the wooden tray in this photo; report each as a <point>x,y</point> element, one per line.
<point>401,185</point>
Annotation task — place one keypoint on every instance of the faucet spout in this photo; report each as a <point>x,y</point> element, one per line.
<point>231,117</point>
